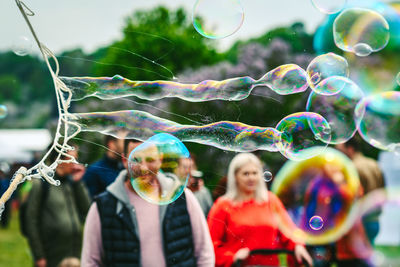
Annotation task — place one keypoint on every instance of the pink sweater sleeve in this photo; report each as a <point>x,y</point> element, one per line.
<point>203,248</point>
<point>92,248</point>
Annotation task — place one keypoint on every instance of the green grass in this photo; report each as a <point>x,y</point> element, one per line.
<point>14,248</point>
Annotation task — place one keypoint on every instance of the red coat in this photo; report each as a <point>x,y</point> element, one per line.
<point>248,224</point>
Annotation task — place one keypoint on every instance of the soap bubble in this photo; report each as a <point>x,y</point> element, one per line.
<point>362,50</point>
<point>156,169</point>
<point>360,29</point>
<point>319,194</point>
<point>325,66</point>
<point>300,131</point>
<point>316,223</point>
<point>22,46</point>
<point>329,6</point>
<point>339,110</point>
<point>378,116</point>
<point>217,19</point>
<point>332,85</point>
<point>267,176</point>
<point>3,111</point>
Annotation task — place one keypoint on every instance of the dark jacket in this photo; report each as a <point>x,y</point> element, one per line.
<point>54,230</point>
<point>120,233</point>
<point>100,174</point>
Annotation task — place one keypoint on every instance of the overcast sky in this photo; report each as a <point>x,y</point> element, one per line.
<point>67,24</point>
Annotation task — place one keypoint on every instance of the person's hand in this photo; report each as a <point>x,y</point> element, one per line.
<point>78,172</point>
<point>41,262</point>
<point>241,254</point>
<point>301,253</point>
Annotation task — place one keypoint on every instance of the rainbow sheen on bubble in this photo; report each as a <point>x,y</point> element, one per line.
<point>329,6</point>
<point>300,131</point>
<point>361,31</point>
<point>316,223</point>
<point>326,186</point>
<point>140,125</point>
<point>333,85</point>
<point>325,66</point>
<point>339,110</point>
<point>217,19</point>
<point>22,46</point>
<point>155,169</point>
<point>378,116</point>
<point>3,111</point>
<point>285,79</point>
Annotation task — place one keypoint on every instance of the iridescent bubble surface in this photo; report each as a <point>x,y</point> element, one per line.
<point>316,223</point>
<point>329,6</point>
<point>355,26</point>
<point>325,66</point>
<point>326,186</point>
<point>339,110</point>
<point>300,131</point>
<point>398,78</point>
<point>155,171</point>
<point>378,116</point>
<point>22,46</point>
<point>3,111</point>
<point>285,79</point>
<point>217,19</point>
<point>332,85</point>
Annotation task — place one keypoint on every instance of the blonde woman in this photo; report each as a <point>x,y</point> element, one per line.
<point>244,218</point>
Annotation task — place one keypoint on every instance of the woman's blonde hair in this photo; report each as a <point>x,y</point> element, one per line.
<point>241,159</point>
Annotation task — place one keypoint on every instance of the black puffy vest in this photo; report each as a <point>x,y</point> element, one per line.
<point>122,246</point>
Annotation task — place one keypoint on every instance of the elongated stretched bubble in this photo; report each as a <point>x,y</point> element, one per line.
<point>285,79</point>
<point>233,136</point>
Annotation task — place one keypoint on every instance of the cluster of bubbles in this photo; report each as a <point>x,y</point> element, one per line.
<point>3,111</point>
<point>319,194</point>
<point>217,19</point>
<point>156,169</point>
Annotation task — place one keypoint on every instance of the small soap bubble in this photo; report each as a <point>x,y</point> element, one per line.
<point>3,111</point>
<point>360,30</point>
<point>329,6</point>
<point>362,50</point>
<point>316,223</point>
<point>216,19</point>
<point>267,176</point>
<point>22,46</point>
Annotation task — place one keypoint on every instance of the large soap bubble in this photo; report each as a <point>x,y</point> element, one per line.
<point>319,194</point>
<point>338,109</point>
<point>329,6</point>
<point>378,116</point>
<point>157,169</point>
<point>300,131</point>
<point>361,31</point>
<point>217,19</point>
<point>325,66</point>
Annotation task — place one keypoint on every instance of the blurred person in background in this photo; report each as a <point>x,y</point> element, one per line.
<point>54,227</point>
<point>371,178</point>
<point>104,171</point>
<point>243,219</point>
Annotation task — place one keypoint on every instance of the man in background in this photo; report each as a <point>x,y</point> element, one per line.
<point>103,172</point>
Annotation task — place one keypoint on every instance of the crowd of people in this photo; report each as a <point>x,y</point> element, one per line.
<point>97,218</point>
